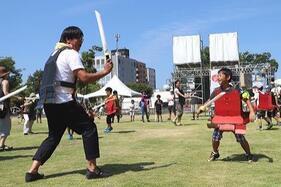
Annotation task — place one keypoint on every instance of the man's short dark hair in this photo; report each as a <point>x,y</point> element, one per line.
<point>71,32</point>
<point>108,89</point>
<point>227,72</point>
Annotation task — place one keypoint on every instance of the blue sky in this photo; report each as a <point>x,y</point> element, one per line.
<point>30,28</point>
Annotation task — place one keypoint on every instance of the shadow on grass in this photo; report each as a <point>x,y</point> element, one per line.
<point>191,124</point>
<point>2,158</point>
<point>272,129</point>
<point>241,157</point>
<point>123,132</point>
<point>24,148</point>
<point>115,169</point>
<point>46,132</point>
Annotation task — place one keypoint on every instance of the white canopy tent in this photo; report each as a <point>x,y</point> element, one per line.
<point>117,85</point>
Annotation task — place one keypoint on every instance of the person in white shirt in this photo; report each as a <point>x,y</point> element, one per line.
<point>132,110</point>
<point>63,111</point>
<point>180,101</point>
<point>171,105</point>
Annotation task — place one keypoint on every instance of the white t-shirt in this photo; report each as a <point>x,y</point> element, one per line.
<point>132,107</point>
<point>171,100</point>
<point>68,61</point>
<point>176,91</point>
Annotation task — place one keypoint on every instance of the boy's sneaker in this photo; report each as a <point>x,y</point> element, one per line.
<point>108,129</point>
<point>259,128</point>
<point>97,173</point>
<point>213,156</point>
<point>29,177</point>
<point>250,157</point>
<point>70,137</point>
<point>269,126</point>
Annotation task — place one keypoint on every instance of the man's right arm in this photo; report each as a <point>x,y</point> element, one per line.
<point>86,77</point>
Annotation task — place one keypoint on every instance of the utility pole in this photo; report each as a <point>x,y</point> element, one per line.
<point>117,36</point>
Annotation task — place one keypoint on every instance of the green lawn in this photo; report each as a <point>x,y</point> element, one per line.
<point>148,154</point>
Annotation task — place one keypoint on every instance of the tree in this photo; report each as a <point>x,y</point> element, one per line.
<point>205,55</point>
<point>141,87</point>
<point>33,82</point>
<point>15,75</point>
<point>88,61</point>
<point>265,57</point>
<point>245,58</point>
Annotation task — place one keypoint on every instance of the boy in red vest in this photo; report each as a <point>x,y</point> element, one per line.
<point>110,108</point>
<point>224,78</point>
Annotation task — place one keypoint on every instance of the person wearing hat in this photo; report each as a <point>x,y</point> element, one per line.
<point>29,113</point>
<point>5,120</point>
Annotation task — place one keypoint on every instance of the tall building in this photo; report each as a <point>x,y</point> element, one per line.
<point>127,69</point>
<point>122,52</point>
<point>98,65</point>
<point>150,77</point>
<point>140,72</point>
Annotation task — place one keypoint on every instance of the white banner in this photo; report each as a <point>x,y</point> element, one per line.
<point>223,47</point>
<point>186,49</point>
<point>214,79</point>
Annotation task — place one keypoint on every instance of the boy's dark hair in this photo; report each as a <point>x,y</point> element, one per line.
<point>108,89</point>
<point>226,72</point>
<point>71,32</point>
<point>158,96</point>
<point>115,92</point>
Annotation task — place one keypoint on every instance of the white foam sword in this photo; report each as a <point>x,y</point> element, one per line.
<point>12,93</point>
<point>102,36</point>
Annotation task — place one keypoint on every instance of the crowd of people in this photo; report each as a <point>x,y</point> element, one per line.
<point>57,99</point>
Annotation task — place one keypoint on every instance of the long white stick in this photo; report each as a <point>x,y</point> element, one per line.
<point>214,99</point>
<point>12,93</point>
<point>102,34</point>
<point>208,103</point>
<point>96,107</point>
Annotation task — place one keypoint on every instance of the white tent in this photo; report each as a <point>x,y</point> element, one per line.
<point>117,85</point>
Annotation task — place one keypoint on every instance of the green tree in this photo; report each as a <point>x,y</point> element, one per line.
<point>88,61</point>
<point>15,75</point>
<point>258,58</point>
<point>205,56</point>
<point>141,87</point>
<point>33,82</point>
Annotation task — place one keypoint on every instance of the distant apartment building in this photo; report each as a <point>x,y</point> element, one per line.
<point>150,77</point>
<point>140,72</point>
<point>98,65</point>
<point>127,69</point>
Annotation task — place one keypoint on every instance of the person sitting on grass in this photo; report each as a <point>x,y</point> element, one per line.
<point>224,78</point>
<point>110,109</point>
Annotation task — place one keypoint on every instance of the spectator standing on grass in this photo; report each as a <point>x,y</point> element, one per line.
<point>5,119</point>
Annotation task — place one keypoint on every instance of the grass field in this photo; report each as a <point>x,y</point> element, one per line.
<point>148,154</point>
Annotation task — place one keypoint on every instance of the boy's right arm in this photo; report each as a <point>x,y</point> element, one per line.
<point>86,77</point>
